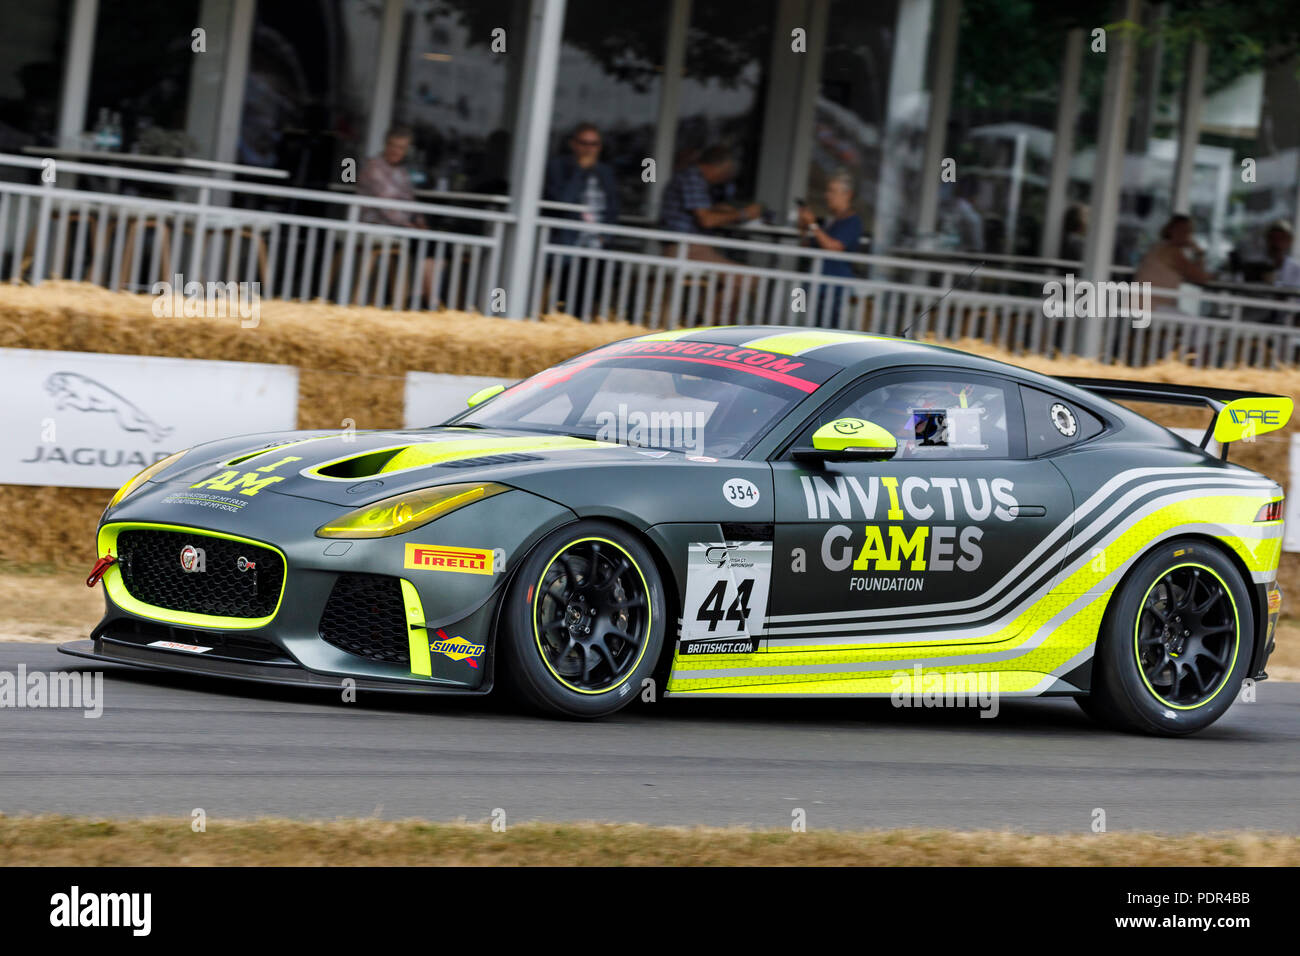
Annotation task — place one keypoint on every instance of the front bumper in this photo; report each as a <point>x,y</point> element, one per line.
<point>441,620</point>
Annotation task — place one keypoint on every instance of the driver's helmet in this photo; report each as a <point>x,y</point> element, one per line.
<point>921,411</point>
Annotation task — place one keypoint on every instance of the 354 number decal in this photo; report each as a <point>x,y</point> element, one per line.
<point>740,492</point>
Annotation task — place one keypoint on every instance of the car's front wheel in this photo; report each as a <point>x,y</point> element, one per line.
<point>584,621</point>
<point>1176,643</point>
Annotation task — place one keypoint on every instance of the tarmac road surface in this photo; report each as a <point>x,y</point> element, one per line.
<point>167,744</point>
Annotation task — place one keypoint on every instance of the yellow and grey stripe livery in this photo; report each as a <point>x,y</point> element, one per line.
<point>1027,629</point>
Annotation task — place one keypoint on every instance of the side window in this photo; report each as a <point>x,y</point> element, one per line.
<point>933,415</point>
<point>1052,422</point>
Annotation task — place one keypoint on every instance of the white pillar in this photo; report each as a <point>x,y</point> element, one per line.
<point>382,96</point>
<point>1189,126</point>
<point>806,109</point>
<point>670,95</point>
<point>1108,172</point>
<point>907,82</point>
<point>1067,115</point>
<point>532,126</point>
<point>239,43</point>
<point>1295,222</point>
<point>76,72</point>
<point>1015,185</point>
<point>781,106</point>
<point>943,70</point>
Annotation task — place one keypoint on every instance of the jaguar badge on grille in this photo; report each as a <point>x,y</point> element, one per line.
<point>193,559</point>
<point>244,564</point>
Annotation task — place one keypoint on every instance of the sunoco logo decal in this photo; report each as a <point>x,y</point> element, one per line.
<point>432,557</point>
<point>457,648</point>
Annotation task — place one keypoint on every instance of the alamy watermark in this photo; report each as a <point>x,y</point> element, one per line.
<point>213,300</point>
<point>675,430</point>
<point>977,689</point>
<point>68,690</point>
<point>76,908</point>
<point>1084,299</point>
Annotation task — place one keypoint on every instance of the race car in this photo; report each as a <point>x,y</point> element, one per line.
<point>724,512</point>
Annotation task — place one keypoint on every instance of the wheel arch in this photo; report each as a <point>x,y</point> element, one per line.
<point>1082,676</point>
<point>668,580</point>
<point>672,599</point>
<point>1201,537</point>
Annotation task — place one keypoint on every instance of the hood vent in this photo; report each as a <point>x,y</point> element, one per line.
<point>490,460</point>
<point>360,466</point>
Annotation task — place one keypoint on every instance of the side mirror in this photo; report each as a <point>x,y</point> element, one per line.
<point>849,439</point>
<point>483,394</point>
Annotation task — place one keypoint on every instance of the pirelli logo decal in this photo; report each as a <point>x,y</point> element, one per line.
<point>432,557</point>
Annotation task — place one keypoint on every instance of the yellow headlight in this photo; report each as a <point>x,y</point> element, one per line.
<point>404,512</point>
<point>138,481</point>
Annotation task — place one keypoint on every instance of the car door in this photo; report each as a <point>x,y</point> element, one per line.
<point>952,541</point>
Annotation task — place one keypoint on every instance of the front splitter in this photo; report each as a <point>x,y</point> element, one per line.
<point>182,662</point>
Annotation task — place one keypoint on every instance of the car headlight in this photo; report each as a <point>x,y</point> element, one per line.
<point>136,483</point>
<point>404,512</point>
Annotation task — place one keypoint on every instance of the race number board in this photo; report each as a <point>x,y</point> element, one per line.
<point>726,597</point>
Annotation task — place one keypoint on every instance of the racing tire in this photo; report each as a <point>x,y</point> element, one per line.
<point>583,622</point>
<point>1175,644</point>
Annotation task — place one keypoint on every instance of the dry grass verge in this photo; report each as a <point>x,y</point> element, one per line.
<point>80,841</point>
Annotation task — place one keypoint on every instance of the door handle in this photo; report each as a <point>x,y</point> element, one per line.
<point>1028,511</point>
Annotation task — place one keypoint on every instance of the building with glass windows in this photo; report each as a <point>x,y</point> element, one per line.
<point>977,127</point>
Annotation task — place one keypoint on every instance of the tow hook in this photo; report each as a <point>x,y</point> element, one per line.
<point>97,572</point>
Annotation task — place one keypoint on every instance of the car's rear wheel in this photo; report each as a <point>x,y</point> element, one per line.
<point>1176,643</point>
<point>584,621</point>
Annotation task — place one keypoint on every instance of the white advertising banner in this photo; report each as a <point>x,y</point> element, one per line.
<point>432,398</point>
<point>85,420</point>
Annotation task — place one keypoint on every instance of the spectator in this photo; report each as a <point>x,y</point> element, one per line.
<point>687,206</point>
<point>969,222</point>
<point>494,179</point>
<point>386,177</point>
<point>579,177</point>
<point>1286,270</point>
<point>841,233</point>
<point>1076,232</point>
<point>1173,260</point>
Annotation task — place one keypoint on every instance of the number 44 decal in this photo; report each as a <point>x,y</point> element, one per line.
<point>711,610</point>
<point>726,596</point>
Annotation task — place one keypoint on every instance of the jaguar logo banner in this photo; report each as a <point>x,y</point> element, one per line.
<point>85,420</point>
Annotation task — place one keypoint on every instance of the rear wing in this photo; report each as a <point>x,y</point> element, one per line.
<point>1238,415</point>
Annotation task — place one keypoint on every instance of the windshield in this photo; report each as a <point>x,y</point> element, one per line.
<point>693,397</point>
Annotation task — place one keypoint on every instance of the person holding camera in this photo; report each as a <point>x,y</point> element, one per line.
<point>840,231</point>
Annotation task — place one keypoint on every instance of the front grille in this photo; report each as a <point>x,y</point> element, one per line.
<point>365,615</point>
<point>150,562</point>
